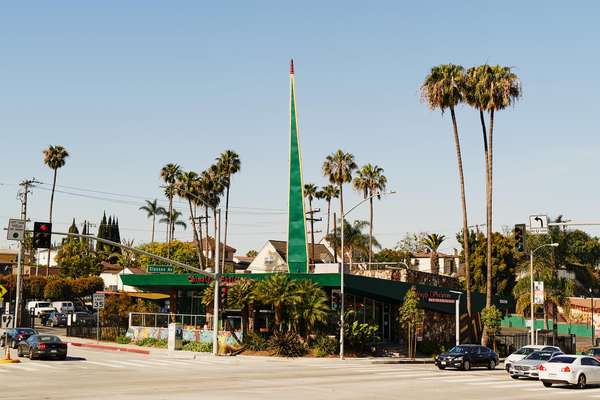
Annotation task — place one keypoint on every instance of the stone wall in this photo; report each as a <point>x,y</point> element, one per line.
<point>412,276</point>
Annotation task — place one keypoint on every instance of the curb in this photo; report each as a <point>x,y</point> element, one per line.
<point>109,348</point>
<point>403,362</point>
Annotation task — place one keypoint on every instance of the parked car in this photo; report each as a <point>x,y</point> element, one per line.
<point>64,307</point>
<point>524,352</point>
<point>570,370</point>
<point>38,346</point>
<point>84,318</point>
<point>466,356</point>
<point>528,367</point>
<point>56,318</point>
<point>15,335</point>
<point>40,307</point>
<point>593,352</point>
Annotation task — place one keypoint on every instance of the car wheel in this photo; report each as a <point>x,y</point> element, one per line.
<point>19,352</point>
<point>13,344</point>
<point>467,365</point>
<point>507,367</point>
<point>441,367</point>
<point>31,356</point>
<point>62,358</point>
<point>492,364</point>
<point>547,384</point>
<point>515,376</point>
<point>581,382</point>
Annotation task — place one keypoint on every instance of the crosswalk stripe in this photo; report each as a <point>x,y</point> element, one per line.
<point>134,364</point>
<point>104,364</point>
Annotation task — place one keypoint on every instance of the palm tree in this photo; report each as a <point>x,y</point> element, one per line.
<point>214,190</point>
<point>356,243</point>
<point>174,220</point>
<point>169,174</point>
<point>229,164</point>
<point>327,193</point>
<point>310,192</point>
<point>242,294</point>
<point>338,168</point>
<point>443,89</point>
<point>54,158</point>
<point>204,188</point>
<point>152,210</point>
<point>187,188</point>
<point>279,291</point>
<point>433,242</point>
<point>312,310</point>
<point>371,182</point>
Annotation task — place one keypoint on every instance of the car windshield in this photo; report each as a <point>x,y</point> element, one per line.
<point>49,339</point>
<point>25,331</point>
<point>563,360</point>
<point>460,349</point>
<point>524,351</point>
<point>538,355</point>
<point>40,305</point>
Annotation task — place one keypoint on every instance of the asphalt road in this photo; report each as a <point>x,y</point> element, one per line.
<point>96,374</point>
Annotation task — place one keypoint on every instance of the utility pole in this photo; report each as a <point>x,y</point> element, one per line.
<point>312,220</point>
<point>23,195</point>
<point>334,237</point>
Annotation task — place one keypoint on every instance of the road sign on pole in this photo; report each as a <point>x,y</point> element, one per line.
<point>538,292</point>
<point>2,291</point>
<point>538,224</point>
<point>98,301</point>
<point>16,230</point>
<point>159,269</point>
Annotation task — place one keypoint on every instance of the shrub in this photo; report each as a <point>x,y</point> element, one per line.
<point>123,339</point>
<point>255,342</point>
<point>286,344</point>
<point>360,335</point>
<point>152,342</point>
<point>325,346</point>
<point>198,347</point>
<point>430,347</point>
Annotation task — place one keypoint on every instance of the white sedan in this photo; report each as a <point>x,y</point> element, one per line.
<point>570,370</point>
<point>524,352</point>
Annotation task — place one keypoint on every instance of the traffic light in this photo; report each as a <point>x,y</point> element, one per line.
<point>520,237</point>
<point>42,232</point>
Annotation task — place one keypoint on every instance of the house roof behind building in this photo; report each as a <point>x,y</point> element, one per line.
<point>322,252</point>
<point>211,245</point>
<point>108,268</point>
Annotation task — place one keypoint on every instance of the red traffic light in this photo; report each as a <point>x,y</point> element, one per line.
<point>43,227</point>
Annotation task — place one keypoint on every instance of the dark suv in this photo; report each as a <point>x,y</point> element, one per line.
<point>467,356</point>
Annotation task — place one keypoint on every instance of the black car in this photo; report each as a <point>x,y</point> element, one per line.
<point>15,335</point>
<point>467,356</point>
<point>56,318</point>
<point>38,346</point>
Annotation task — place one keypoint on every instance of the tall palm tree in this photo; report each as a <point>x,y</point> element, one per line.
<point>204,187</point>
<point>356,243</point>
<point>169,173</point>
<point>216,187</point>
<point>327,193</point>
<point>54,158</point>
<point>242,294</point>
<point>433,242</point>
<point>310,192</point>
<point>229,163</point>
<point>187,188</point>
<point>152,210</point>
<point>490,89</point>
<point>371,182</point>
<point>338,168</point>
<point>279,291</point>
<point>174,220</point>
<point>443,89</point>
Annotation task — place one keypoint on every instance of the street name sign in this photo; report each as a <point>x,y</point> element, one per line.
<point>98,300</point>
<point>16,230</point>
<point>160,269</point>
<point>3,291</point>
<point>538,224</point>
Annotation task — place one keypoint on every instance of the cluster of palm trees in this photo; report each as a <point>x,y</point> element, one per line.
<point>487,89</point>
<point>299,305</point>
<point>202,191</point>
<point>339,168</point>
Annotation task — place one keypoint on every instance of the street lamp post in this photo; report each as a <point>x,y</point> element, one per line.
<point>342,272</point>
<point>457,316</point>
<point>531,253</point>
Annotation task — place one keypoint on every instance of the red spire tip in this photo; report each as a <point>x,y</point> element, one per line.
<point>292,66</point>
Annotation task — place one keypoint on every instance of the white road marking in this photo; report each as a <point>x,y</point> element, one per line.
<point>134,364</point>
<point>109,365</point>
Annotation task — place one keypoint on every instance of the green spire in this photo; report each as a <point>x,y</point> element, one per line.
<point>297,258</point>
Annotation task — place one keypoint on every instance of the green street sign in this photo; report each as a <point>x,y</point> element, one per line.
<point>160,269</point>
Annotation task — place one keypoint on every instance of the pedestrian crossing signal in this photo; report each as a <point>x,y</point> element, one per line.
<point>520,237</point>
<point>42,234</point>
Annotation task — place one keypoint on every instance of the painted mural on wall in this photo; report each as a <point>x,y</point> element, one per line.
<point>189,335</point>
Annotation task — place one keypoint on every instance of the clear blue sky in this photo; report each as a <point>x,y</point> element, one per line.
<point>129,86</point>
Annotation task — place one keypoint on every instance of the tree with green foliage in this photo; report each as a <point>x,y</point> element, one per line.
<point>75,259</point>
<point>229,164</point>
<point>312,310</point>
<point>242,294</point>
<point>183,252</point>
<point>310,192</point>
<point>187,187</point>
<point>392,256</point>
<point>279,291</point>
<point>410,316</point>
<point>433,242</point>
<point>356,242</point>
<point>328,193</point>
<point>443,89</point>
<point>153,210</point>
<point>490,319</point>
<point>169,174</point>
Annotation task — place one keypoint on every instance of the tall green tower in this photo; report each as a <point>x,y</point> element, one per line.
<point>297,257</point>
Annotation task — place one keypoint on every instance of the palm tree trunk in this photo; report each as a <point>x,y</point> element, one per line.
<point>197,243</point>
<point>50,217</point>
<point>215,261</point>
<point>328,216</point>
<point>370,230</point>
<point>464,212</point>
<point>206,231</point>
<point>312,234</point>
<point>169,218</point>
<point>488,296</point>
<point>226,220</point>
<point>153,221</point>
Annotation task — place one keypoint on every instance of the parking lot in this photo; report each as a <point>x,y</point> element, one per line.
<point>102,375</point>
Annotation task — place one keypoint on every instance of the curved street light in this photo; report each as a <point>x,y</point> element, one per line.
<point>531,253</point>
<point>342,265</point>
